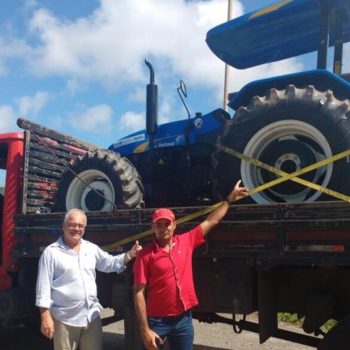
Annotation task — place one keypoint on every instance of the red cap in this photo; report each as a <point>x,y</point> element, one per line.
<point>163,213</point>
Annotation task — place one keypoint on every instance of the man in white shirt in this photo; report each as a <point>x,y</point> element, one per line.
<point>66,291</point>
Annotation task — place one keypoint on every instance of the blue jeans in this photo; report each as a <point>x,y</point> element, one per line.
<point>178,330</point>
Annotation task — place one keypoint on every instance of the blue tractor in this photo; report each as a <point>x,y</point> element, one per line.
<point>288,121</point>
<point>174,159</point>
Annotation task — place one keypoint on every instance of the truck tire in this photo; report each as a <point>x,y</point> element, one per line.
<point>100,181</point>
<point>288,129</point>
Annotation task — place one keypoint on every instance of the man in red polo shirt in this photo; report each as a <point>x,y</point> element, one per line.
<point>163,271</point>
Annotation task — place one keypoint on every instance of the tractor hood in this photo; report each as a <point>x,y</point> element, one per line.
<point>286,29</point>
<point>202,128</point>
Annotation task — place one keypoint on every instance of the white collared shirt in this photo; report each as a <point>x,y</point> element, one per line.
<point>66,281</point>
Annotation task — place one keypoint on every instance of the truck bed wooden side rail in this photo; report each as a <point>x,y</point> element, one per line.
<point>264,234</point>
<point>47,155</point>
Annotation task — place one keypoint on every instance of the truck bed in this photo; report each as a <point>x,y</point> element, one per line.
<point>301,233</point>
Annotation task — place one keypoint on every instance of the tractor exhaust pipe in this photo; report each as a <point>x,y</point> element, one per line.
<point>151,107</point>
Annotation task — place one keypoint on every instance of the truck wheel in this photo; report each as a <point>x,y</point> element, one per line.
<point>338,338</point>
<point>288,129</point>
<point>100,180</point>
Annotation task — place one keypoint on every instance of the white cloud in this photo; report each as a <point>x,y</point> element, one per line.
<point>238,78</point>
<point>111,44</point>
<point>29,4</point>
<point>7,119</point>
<point>166,109</point>
<point>32,104</point>
<point>138,94</point>
<point>25,105</point>
<point>97,119</point>
<point>12,48</point>
<point>346,56</point>
<point>73,86</point>
<point>131,121</point>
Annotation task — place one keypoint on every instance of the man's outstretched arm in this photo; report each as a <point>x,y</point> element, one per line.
<point>217,215</point>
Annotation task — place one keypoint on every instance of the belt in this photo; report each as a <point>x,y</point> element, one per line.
<point>186,313</point>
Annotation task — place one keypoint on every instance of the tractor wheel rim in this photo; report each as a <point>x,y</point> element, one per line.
<point>284,132</point>
<point>79,195</point>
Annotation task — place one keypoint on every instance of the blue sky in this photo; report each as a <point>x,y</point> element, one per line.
<point>78,66</point>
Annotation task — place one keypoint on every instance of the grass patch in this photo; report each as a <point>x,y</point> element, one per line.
<point>295,319</point>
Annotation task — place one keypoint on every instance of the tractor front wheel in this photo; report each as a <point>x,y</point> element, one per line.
<point>100,181</point>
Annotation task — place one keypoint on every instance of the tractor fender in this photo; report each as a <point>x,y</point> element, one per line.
<point>321,79</point>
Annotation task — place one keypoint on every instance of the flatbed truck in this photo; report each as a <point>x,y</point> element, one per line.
<point>277,257</point>
<point>287,253</point>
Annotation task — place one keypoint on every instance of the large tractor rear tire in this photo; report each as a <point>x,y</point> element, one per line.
<point>288,129</point>
<point>100,181</point>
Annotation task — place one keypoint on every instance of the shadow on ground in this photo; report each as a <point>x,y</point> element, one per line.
<point>22,338</point>
<point>202,347</point>
<point>112,341</point>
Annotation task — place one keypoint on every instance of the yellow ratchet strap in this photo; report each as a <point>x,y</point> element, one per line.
<point>293,176</point>
<point>283,177</point>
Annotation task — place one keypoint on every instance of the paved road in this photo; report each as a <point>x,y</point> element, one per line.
<point>207,337</point>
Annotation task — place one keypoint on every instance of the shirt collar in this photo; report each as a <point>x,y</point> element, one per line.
<point>60,243</point>
<point>156,246</point>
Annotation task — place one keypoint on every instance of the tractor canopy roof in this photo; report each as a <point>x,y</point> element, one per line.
<point>286,29</point>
